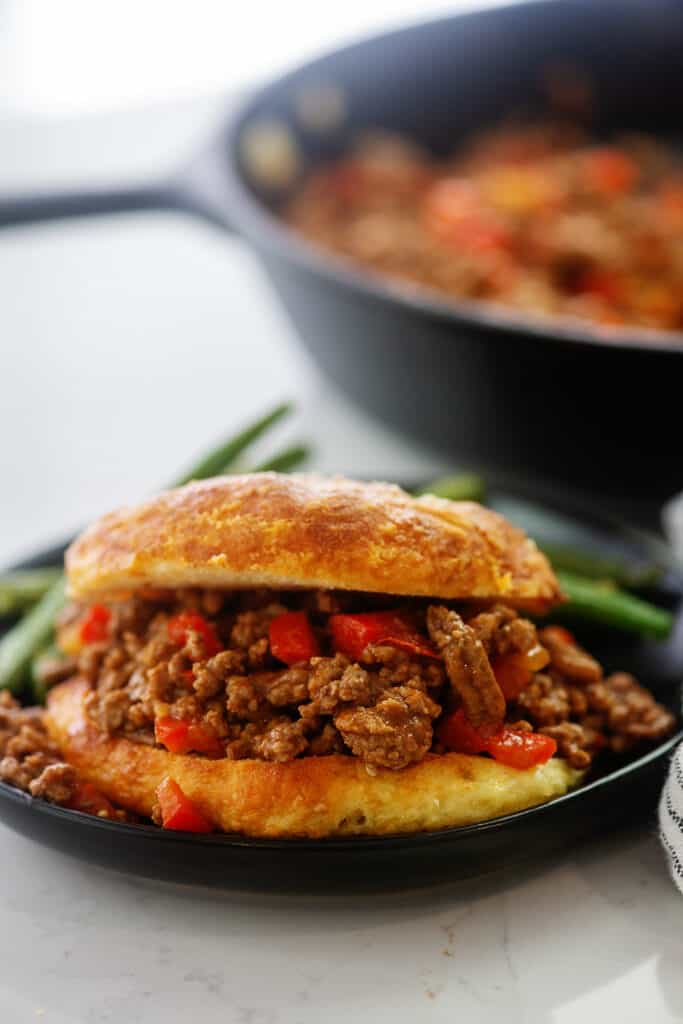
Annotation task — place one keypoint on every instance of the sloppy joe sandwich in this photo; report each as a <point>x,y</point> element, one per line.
<point>298,656</point>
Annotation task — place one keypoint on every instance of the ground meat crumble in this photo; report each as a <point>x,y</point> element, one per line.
<point>382,707</point>
<point>28,759</point>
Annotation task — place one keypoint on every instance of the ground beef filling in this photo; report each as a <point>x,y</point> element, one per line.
<point>28,759</point>
<point>381,707</point>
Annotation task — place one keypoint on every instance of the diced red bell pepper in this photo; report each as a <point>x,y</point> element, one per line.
<point>89,800</point>
<point>95,625</point>
<point>177,810</point>
<point>519,749</point>
<point>605,284</point>
<point>292,638</point>
<point>179,626</point>
<point>455,213</point>
<point>513,747</point>
<point>610,171</point>
<point>351,634</point>
<point>514,671</point>
<point>181,736</point>
<point>456,733</point>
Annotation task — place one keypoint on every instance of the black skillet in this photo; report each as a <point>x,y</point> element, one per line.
<point>554,401</point>
<point>618,792</point>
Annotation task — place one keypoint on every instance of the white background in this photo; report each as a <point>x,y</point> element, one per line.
<point>78,55</point>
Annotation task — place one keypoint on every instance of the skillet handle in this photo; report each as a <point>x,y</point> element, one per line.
<point>201,189</point>
<point>36,207</point>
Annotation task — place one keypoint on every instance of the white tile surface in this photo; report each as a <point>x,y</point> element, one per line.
<point>125,346</point>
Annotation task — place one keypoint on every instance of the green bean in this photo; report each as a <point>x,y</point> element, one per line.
<point>457,487</point>
<point>20,589</point>
<point>607,604</point>
<point>626,573</point>
<point>222,459</point>
<point>286,460</point>
<point>19,645</point>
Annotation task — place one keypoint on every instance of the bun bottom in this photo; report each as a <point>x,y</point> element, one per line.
<point>313,797</point>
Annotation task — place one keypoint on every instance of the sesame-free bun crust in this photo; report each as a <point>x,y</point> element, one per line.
<point>303,530</point>
<point>312,797</point>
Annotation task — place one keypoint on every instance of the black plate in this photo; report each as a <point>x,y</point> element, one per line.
<point>620,792</point>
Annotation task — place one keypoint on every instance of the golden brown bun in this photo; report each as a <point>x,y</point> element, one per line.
<point>305,530</point>
<point>312,797</point>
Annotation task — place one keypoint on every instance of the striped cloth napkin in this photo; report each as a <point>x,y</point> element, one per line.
<point>671,818</point>
<point>671,803</point>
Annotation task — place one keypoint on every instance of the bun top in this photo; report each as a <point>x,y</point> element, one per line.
<point>304,530</point>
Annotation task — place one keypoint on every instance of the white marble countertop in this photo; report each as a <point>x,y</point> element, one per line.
<point>128,344</point>
<point>597,937</point>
